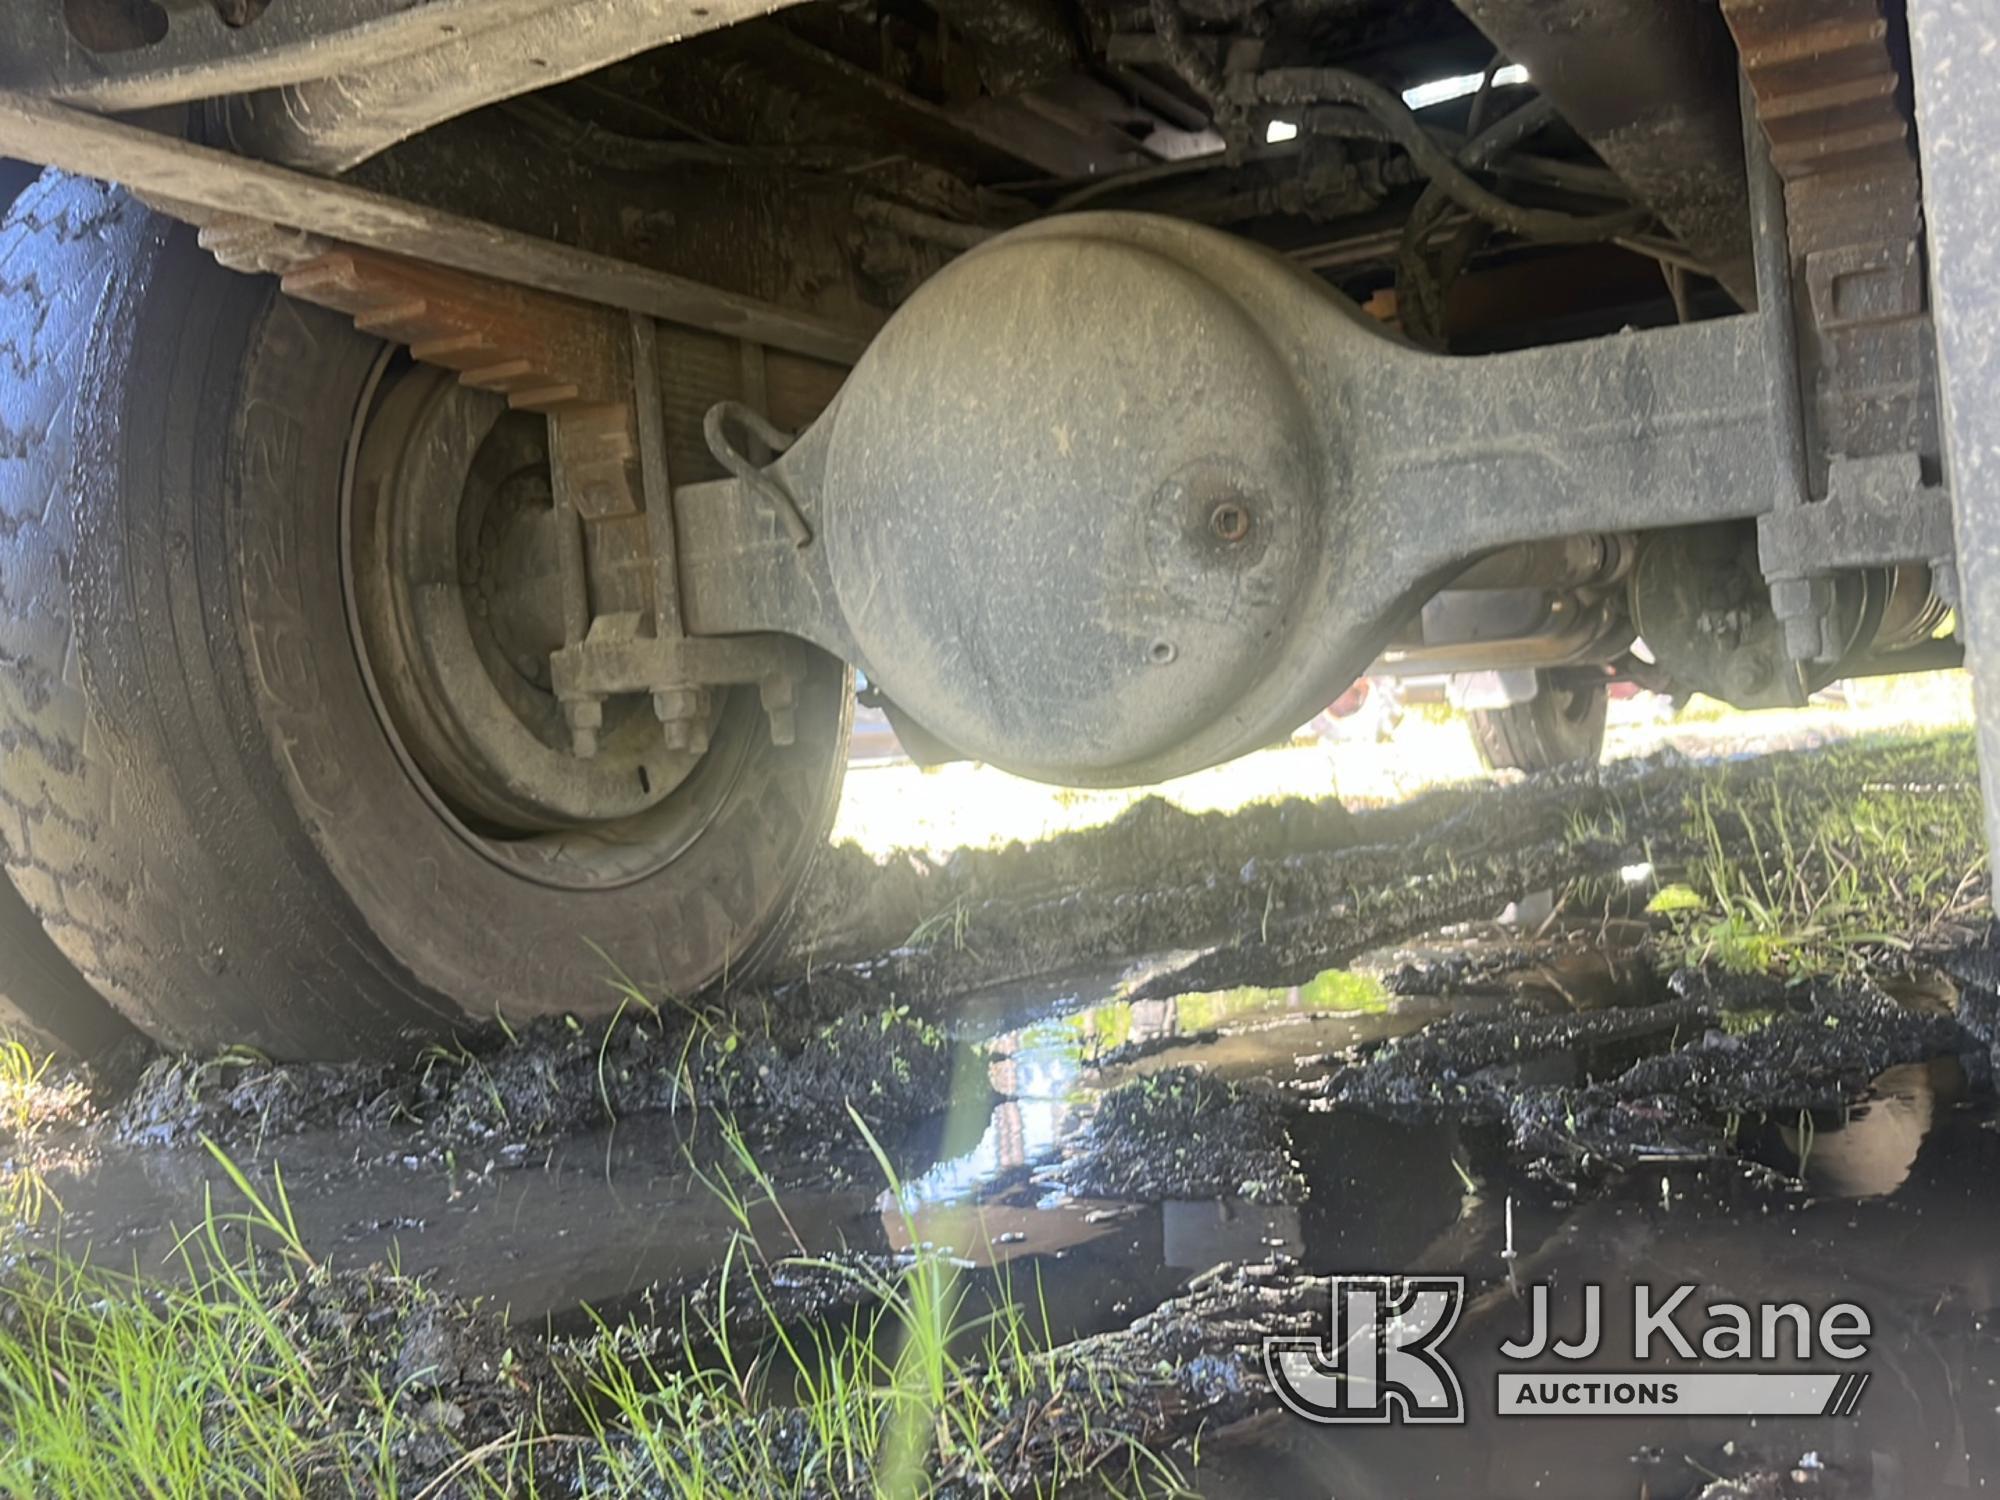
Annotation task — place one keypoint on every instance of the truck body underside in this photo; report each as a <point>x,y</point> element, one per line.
<point>1109,382</point>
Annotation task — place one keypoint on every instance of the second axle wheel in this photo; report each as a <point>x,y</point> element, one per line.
<point>1562,725</point>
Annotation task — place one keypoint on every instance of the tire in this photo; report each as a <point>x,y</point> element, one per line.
<point>44,1003</point>
<point>218,827</point>
<point>1562,725</point>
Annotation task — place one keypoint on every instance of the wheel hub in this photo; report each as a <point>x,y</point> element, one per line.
<point>456,577</point>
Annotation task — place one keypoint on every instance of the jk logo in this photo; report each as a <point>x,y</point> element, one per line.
<point>1381,1356</point>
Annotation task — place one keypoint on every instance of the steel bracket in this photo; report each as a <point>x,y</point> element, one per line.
<point>1877,511</point>
<point>619,656</point>
<point>594,373</point>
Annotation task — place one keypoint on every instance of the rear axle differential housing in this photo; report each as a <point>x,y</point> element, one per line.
<point>1115,497</point>
<point>1073,505</point>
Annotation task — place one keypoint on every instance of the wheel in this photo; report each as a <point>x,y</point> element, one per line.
<point>276,727</point>
<point>1562,725</point>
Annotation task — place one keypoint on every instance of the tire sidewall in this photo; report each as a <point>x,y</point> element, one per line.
<point>262,867</point>
<point>435,900</point>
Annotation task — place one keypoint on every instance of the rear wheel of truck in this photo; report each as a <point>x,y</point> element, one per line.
<point>1562,725</point>
<point>283,767</point>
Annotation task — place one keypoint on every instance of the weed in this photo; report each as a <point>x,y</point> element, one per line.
<point>1790,880</point>
<point>950,923</point>
<point>20,1085</point>
<point>259,1371</point>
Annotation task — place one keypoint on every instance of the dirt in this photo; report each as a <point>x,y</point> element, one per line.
<point>1179,1190</point>
<point>1181,1133</point>
<point>1722,1048</point>
<point>457,1376</point>
<point>1316,892</point>
<point>1271,895</point>
<point>855,907</point>
<point>554,1079</point>
<point>741,1301</point>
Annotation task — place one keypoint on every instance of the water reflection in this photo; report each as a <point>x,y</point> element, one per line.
<point>1047,1073</point>
<point>1005,1198</point>
<point>1871,1151</point>
<point>1199,1234</point>
<point>1901,1219</point>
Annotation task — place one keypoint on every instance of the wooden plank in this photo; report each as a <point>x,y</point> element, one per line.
<point>159,166</point>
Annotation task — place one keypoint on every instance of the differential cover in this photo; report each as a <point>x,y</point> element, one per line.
<point>1069,505</point>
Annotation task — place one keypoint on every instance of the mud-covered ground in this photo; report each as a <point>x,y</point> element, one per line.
<point>1730,1022</point>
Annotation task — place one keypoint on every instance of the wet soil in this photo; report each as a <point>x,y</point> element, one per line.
<point>1275,895</point>
<point>1181,1133</point>
<point>555,1079</point>
<point>1568,1087</point>
<point>1160,902</point>
<point>1174,1092</point>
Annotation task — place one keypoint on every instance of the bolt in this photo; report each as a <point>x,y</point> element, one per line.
<point>1802,606</point>
<point>683,716</point>
<point>1230,521</point>
<point>1804,639</point>
<point>779,695</point>
<point>672,705</point>
<point>1791,597</point>
<point>585,716</point>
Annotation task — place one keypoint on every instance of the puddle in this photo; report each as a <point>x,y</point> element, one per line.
<point>591,1219</point>
<point>1886,1202</point>
<point>1869,1149</point>
<point>599,1216</point>
<point>1897,1214</point>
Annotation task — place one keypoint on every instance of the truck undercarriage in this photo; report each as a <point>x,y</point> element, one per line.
<point>444,565</point>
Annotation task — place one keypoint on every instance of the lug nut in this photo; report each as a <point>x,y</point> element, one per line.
<point>674,704</point>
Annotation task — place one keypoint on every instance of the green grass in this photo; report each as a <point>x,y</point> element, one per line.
<point>1798,872</point>
<point>21,1086</point>
<point>230,1377</point>
<point>912,1393</point>
<point>117,1385</point>
<point>946,927</point>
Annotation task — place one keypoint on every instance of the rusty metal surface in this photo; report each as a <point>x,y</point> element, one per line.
<point>206,182</point>
<point>543,353</point>
<point>1830,99</point>
<point>1826,84</point>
